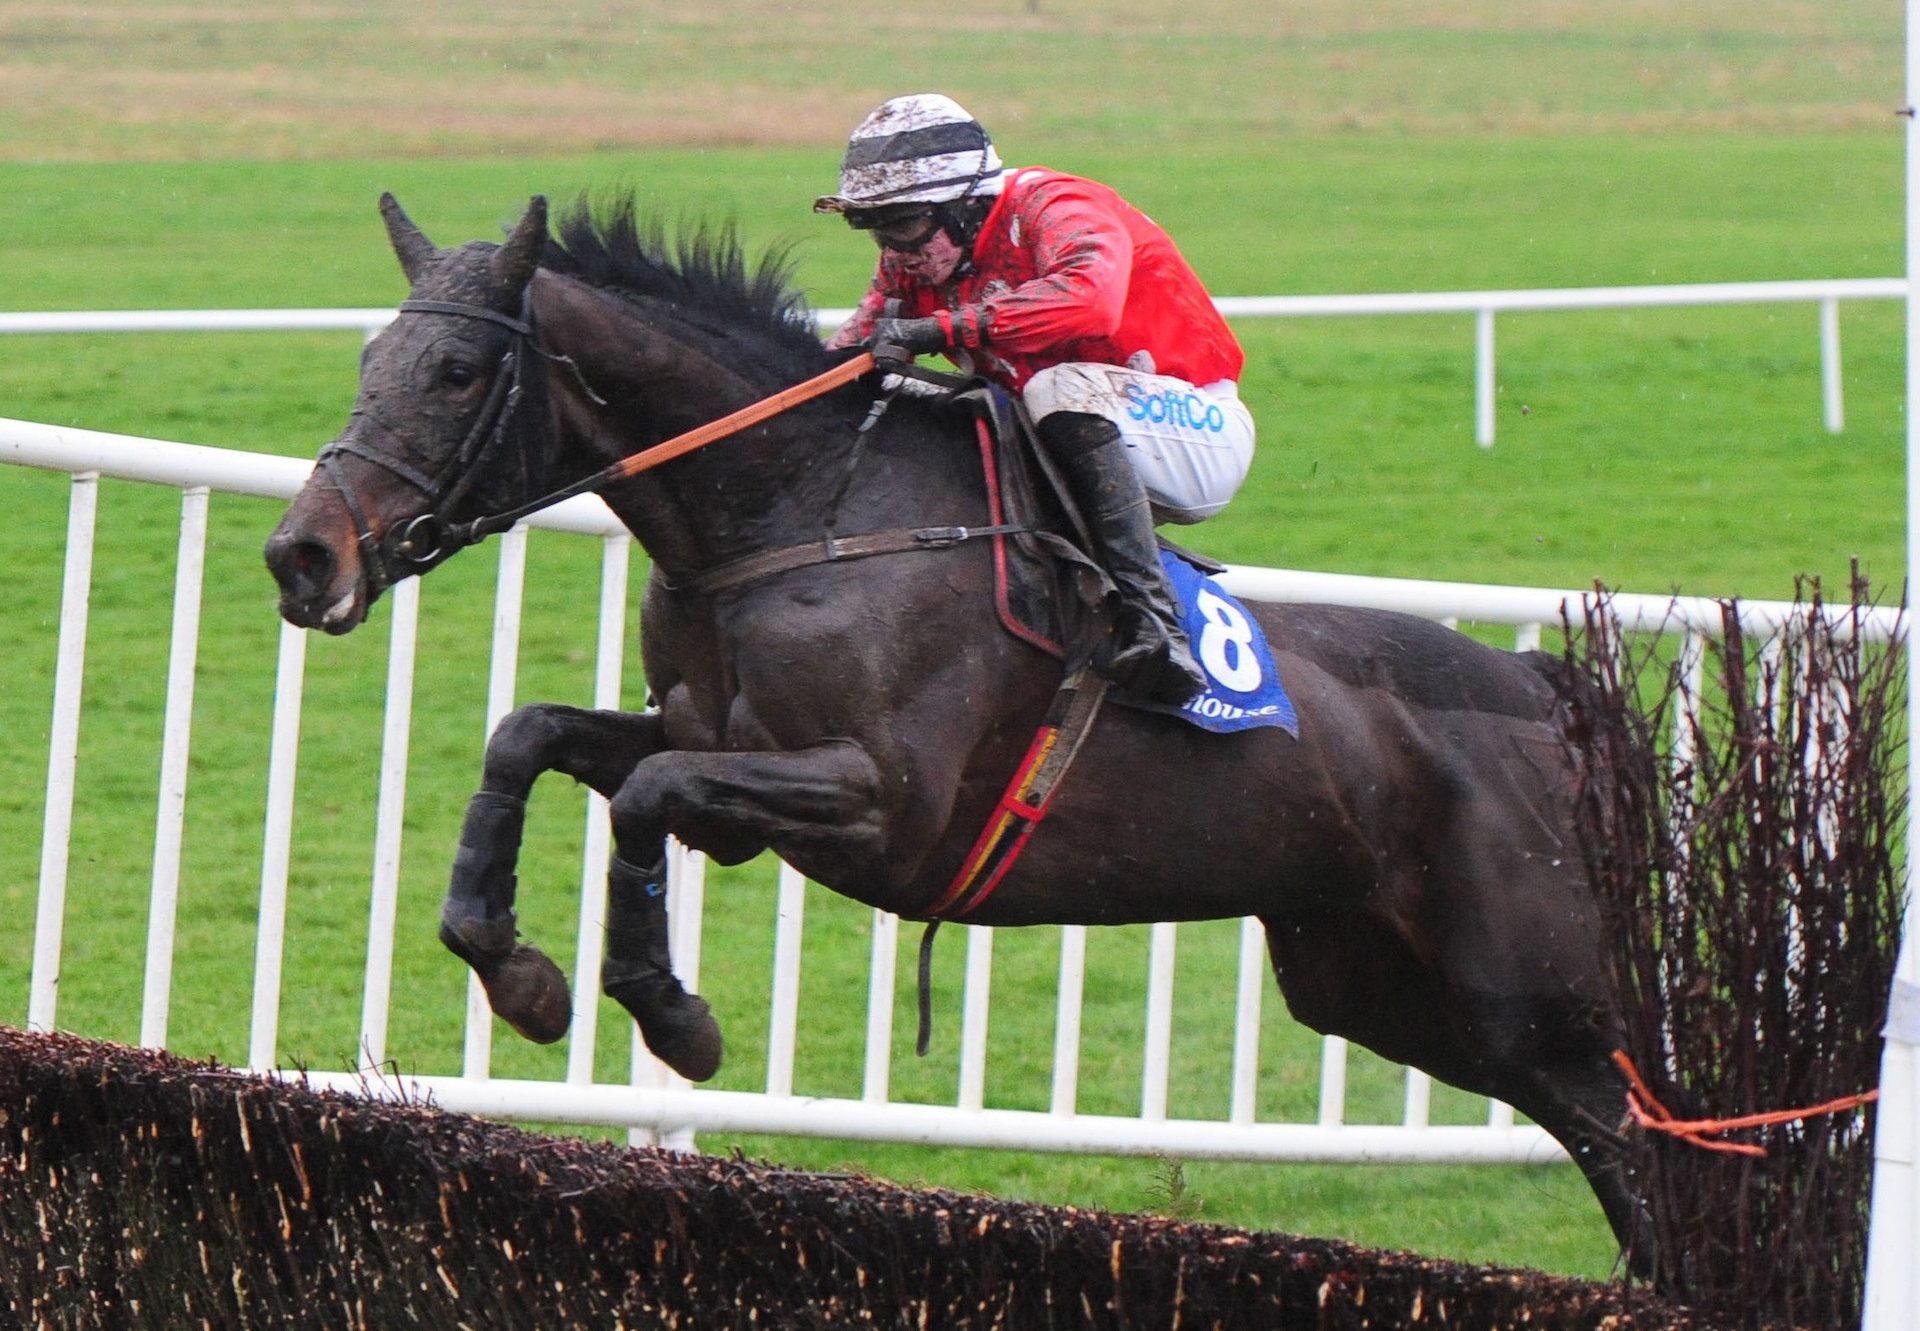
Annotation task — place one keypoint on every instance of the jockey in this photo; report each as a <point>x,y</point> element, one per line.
<point>1055,287</point>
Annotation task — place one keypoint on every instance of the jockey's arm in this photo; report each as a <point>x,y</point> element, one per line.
<point>1083,260</point>
<point>855,331</point>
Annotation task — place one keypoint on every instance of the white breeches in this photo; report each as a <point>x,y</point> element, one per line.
<point>1191,446</point>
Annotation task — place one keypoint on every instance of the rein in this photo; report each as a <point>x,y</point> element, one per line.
<point>419,541</point>
<point>678,446</point>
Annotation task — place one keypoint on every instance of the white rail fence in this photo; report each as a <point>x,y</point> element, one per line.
<point>653,1102</point>
<point>1826,294</point>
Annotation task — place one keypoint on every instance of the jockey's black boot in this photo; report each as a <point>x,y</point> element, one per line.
<point>638,974</point>
<point>1147,653</point>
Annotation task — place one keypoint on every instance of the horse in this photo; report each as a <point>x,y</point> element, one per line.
<point>1413,854</point>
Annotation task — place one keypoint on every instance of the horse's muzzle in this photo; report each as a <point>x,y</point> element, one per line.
<point>315,592</point>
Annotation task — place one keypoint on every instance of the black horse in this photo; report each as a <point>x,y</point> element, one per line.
<point>1412,853</point>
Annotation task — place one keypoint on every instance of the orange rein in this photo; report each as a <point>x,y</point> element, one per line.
<point>734,422</point>
<point>1650,1114</point>
<point>698,437</point>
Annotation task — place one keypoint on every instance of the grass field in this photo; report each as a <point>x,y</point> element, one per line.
<point>208,155</point>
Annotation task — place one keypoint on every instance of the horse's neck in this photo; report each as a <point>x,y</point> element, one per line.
<point>632,384</point>
<point>773,485</point>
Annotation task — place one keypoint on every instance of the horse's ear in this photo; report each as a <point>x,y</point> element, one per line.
<point>520,255</point>
<point>410,243</point>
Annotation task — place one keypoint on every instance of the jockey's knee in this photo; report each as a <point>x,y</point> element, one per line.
<point>1068,434</point>
<point>1071,387</point>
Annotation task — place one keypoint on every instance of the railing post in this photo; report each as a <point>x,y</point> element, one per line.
<point>783,1023</point>
<point>1836,411</point>
<point>395,740</point>
<point>1483,377</point>
<point>975,1003</point>
<point>1254,979</point>
<point>176,737</point>
<point>1333,1081</point>
<point>63,750</point>
<point>1893,1233</point>
<point>1066,1019</point>
<point>881,969</point>
<point>503,673</point>
<point>1417,1102</point>
<point>1156,1064</point>
<point>597,840</point>
<point>283,754</point>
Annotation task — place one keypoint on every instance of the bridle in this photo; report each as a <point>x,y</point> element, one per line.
<point>415,544</point>
<point>412,545</point>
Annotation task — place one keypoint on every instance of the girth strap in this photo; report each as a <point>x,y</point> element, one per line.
<point>1029,796</point>
<point>831,550</point>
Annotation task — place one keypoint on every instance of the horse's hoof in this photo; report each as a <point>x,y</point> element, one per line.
<point>481,941</point>
<point>530,994</point>
<point>677,1026</point>
<point>685,1036</point>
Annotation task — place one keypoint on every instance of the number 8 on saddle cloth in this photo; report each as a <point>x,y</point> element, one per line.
<point>1243,686</point>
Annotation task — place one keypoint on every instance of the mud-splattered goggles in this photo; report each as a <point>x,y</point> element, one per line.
<point>905,230</point>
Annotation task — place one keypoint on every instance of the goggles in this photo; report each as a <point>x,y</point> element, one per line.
<point>905,230</point>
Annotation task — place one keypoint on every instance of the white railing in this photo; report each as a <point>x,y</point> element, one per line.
<point>654,1102</point>
<point>1483,305</point>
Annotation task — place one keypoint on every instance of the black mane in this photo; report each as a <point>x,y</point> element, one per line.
<point>704,276</point>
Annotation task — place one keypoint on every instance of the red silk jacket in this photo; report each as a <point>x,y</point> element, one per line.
<point>1065,270</point>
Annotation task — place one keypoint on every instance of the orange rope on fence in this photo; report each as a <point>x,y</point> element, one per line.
<point>1650,1114</point>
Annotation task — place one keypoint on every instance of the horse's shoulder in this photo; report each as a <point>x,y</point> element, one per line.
<point>1419,662</point>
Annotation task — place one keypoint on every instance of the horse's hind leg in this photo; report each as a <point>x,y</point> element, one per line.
<point>1580,1103</point>
<point>477,922</point>
<point>1540,1046</point>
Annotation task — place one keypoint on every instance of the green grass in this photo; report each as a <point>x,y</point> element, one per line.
<point>123,80</point>
<point>1365,422</point>
<point>231,155</point>
<point>1656,449</point>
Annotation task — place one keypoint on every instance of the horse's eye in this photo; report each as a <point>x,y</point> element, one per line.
<point>457,375</point>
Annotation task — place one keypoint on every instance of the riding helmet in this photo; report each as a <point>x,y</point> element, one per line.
<point>923,148</point>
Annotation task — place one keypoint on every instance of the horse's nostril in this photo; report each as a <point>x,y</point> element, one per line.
<point>312,561</point>
<point>300,566</point>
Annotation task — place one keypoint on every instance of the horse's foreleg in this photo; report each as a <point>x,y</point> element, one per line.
<point>734,802</point>
<point>637,971</point>
<point>477,920</point>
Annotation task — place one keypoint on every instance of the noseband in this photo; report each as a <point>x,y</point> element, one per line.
<point>410,546</point>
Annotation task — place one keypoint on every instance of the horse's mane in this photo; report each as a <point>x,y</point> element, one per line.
<point>703,273</point>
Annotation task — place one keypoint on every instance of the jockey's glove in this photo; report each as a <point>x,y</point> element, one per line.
<point>897,341</point>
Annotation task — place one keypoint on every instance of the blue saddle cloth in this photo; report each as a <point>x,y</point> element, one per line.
<point>1243,686</point>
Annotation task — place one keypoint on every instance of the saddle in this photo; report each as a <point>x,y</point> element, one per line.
<point>1048,589</point>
